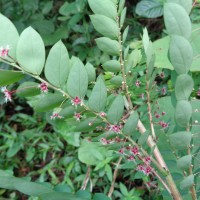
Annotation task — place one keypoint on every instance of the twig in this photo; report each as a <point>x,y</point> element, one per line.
<point>87,178</point>
<point>114,178</point>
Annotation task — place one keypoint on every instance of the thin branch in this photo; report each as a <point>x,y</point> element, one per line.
<point>87,178</point>
<point>114,177</point>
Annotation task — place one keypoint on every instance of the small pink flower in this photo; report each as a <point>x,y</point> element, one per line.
<point>7,94</point>
<point>156,115</point>
<point>164,124</point>
<point>55,115</point>
<point>4,51</point>
<point>162,75</point>
<point>102,114</point>
<point>103,141</point>
<point>163,113</point>
<point>76,101</point>
<point>77,116</point>
<point>137,83</point>
<point>115,128</point>
<point>121,151</point>
<point>131,158</point>
<point>140,168</point>
<point>43,87</point>
<point>147,170</point>
<point>135,151</point>
<point>164,90</point>
<point>147,160</point>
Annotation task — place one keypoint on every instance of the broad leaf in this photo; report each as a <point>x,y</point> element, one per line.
<point>149,8</point>
<point>131,124</point>
<point>117,80</point>
<point>183,113</point>
<point>28,89</point>
<point>104,7</point>
<point>91,72</point>
<point>57,65</point>
<point>180,140</point>
<point>98,97</point>
<point>8,77</point>
<point>180,54</point>
<point>187,182</point>
<point>105,26</point>
<point>8,35</point>
<point>108,46</point>
<point>31,51</point>
<point>123,16</point>
<point>183,87</point>
<point>100,196</point>
<point>184,162</point>
<point>112,66</point>
<point>116,110</point>
<point>59,196</point>
<point>77,83</point>
<point>177,20</point>
<point>187,4</point>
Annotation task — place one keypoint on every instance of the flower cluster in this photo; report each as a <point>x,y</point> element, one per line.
<point>76,101</point>
<point>4,51</point>
<point>55,115</point>
<point>43,87</point>
<point>146,169</point>
<point>77,116</point>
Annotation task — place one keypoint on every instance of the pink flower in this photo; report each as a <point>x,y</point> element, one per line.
<point>4,51</point>
<point>137,83</point>
<point>140,168</point>
<point>164,124</point>
<point>77,116</point>
<point>135,150</point>
<point>55,115</point>
<point>147,160</point>
<point>164,91</point>
<point>7,94</point>
<point>147,170</point>
<point>43,87</point>
<point>131,158</point>
<point>115,128</point>
<point>162,75</point>
<point>121,151</point>
<point>102,114</point>
<point>156,115</point>
<point>163,113</point>
<point>103,141</point>
<point>76,101</point>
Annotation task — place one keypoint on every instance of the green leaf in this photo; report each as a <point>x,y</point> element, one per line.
<point>143,138</point>
<point>59,196</point>
<point>105,26</point>
<point>112,66</point>
<point>121,5</point>
<point>91,72</point>
<point>57,65</point>
<point>108,171</point>
<point>184,162</point>
<point>116,80</point>
<point>187,4</point>
<point>32,189</point>
<point>104,7</point>
<point>183,87</point>
<point>8,35</point>
<point>177,20</point>
<point>100,196</point>
<point>46,102</point>
<point>187,182</point>
<point>123,189</point>
<point>98,97</point>
<point>180,140</point>
<point>183,113</point>
<point>180,54</point>
<point>91,153</point>
<point>149,8</point>
<point>131,124</point>
<point>31,51</point>
<point>116,110</point>
<point>77,83</point>
<point>8,77</point>
<point>108,46</point>
<point>84,125</point>
<point>28,89</point>
<point>125,34</point>
<point>122,17</point>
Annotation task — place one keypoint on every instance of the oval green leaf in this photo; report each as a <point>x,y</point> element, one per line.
<point>91,72</point>
<point>28,89</point>
<point>77,83</point>
<point>187,4</point>
<point>98,97</point>
<point>108,46</point>
<point>184,162</point>
<point>104,7</point>
<point>187,182</point>
<point>177,20</point>
<point>180,54</point>
<point>57,65</point>
<point>183,87</point>
<point>31,51</point>
<point>116,110</point>
<point>183,113</point>
<point>105,26</point>
<point>8,35</point>
<point>112,66</point>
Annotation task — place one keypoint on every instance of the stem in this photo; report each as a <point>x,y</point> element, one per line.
<point>87,178</point>
<point>114,178</point>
